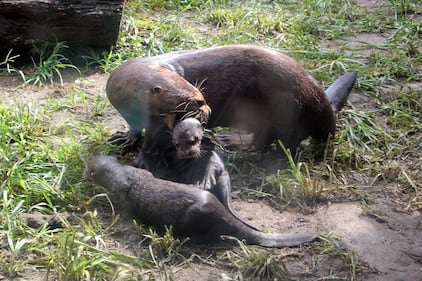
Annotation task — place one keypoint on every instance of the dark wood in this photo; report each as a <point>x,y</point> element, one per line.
<point>94,23</point>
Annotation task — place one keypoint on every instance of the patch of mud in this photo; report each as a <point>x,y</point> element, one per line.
<point>365,43</point>
<point>388,244</point>
<point>372,5</point>
<point>359,98</point>
<point>114,122</point>
<point>263,217</point>
<point>96,84</point>
<point>361,45</point>
<point>195,272</point>
<point>13,89</point>
<point>381,246</point>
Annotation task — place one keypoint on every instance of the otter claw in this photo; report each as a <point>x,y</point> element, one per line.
<point>126,140</point>
<point>138,162</point>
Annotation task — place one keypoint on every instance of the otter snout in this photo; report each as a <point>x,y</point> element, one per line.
<point>97,165</point>
<point>204,112</point>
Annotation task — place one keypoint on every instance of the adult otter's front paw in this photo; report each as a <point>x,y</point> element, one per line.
<point>126,140</point>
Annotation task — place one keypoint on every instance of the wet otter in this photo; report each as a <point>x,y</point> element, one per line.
<point>190,210</point>
<point>255,88</point>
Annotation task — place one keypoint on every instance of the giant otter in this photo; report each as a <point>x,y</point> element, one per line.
<point>249,87</point>
<point>190,210</point>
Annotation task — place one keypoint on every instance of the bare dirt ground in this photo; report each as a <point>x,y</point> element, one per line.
<point>372,222</point>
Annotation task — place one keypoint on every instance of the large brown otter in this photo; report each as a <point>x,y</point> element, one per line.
<point>191,211</point>
<point>249,87</point>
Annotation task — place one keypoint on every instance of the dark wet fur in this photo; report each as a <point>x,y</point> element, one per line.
<point>191,211</point>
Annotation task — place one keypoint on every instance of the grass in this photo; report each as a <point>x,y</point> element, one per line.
<point>254,263</point>
<point>41,158</point>
<point>330,247</point>
<point>49,64</point>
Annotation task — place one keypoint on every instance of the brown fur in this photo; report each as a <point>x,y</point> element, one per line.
<point>139,91</point>
<point>249,87</point>
<point>190,210</point>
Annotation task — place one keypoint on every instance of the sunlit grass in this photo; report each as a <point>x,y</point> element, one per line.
<point>38,174</point>
<point>254,263</point>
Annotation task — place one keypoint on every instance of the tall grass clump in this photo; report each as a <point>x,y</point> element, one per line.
<point>330,247</point>
<point>166,250</point>
<point>6,66</point>
<point>293,184</point>
<point>251,263</point>
<point>48,63</point>
<point>33,169</point>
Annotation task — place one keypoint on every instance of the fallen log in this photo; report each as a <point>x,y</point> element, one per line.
<point>87,23</point>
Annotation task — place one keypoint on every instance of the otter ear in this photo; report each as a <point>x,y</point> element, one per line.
<point>157,90</point>
<point>170,120</point>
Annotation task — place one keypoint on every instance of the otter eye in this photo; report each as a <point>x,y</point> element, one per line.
<point>194,141</point>
<point>200,103</point>
<point>157,90</point>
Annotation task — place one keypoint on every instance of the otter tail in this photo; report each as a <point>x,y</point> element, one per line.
<point>339,91</point>
<point>283,240</point>
<point>276,240</point>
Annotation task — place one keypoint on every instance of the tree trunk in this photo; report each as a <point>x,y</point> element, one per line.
<point>93,23</point>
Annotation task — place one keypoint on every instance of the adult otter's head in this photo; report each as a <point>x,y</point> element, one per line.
<point>187,137</point>
<point>175,98</point>
<point>138,90</point>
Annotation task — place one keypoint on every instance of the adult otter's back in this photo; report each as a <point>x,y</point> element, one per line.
<point>254,88</point>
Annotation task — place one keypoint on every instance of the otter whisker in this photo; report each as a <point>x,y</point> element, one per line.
<point>182,104</point>
<point>199,84</point>
<point>187,105</point>
<point>185,116</point>
<point>204,151</point>
<point>188,115</point>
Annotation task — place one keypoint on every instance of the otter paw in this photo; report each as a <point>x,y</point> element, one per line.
<point>127,140</point>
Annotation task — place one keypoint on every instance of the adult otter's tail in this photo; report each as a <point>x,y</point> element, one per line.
<point>339,91</point>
